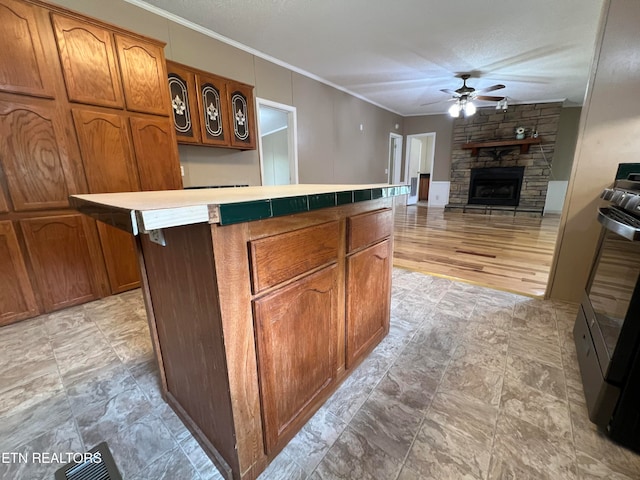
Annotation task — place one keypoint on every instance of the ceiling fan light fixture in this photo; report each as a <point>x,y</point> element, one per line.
<point>454,110</point>
<point>469,109</point>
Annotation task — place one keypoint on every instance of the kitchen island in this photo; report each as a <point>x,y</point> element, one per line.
<point>260,301</point>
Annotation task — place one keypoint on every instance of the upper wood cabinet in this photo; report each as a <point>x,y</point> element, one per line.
<point>62,253</point>
<point>143,75</point>
<point>213,107</point>
<point>156,153</point>
<point>23,68</point>
<point>242,115</point>
<point>106,151</point>
<point>222,114</point>
<point>184,103</point>
<point>88,62</point>
<point>17,300</point>
<point>34,155</point>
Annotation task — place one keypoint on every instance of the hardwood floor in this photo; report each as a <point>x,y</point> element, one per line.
<point>499,251</point>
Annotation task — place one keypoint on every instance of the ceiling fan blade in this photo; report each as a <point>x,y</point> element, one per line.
<point>450,92</point>
<point>491,88</point>
<point>439,101</point>
<point>489,98</point>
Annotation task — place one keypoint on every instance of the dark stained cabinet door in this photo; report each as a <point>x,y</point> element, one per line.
<point>17,300</point>
<point>106,151</point>
<point>296,334</point>
<point>120,258</point>
<point>213,108</point>
<point>241,115</point>
<point>62,257</point>
<point>88,62</point>
<point>34,156</point>
<point>23,68</point>
<point>156,153</point>
<point>184,103</point>
<point>144,75</point>
<point>368,299</point>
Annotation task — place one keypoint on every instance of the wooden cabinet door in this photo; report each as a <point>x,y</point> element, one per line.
<point>296,330</point>
<point>241,115</point>
<point>143,75</point>
<point>17,300</point>
<point>213,110</point>
<point>109,166</point>
<point>106,151</point>
<point>120,258</point>
<point>184,103</point>
<point>23,68</point>
<point>88,62</point>
<point>156,153</point>
<point>34,155</point>
<point>59,249</point>
<point>368,299</point>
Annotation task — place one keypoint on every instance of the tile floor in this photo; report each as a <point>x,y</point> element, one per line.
<point>470,383</point>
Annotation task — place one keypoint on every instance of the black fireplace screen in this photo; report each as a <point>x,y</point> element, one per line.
<point>496,186</point>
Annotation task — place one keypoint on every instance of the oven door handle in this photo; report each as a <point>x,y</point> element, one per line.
<point>607,217</point>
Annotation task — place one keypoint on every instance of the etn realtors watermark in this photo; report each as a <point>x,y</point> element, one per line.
<point>50,457</point>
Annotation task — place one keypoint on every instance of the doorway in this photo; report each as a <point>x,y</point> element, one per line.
<point>277,142</point>
<point>395,159</point>
<point>419,165</point>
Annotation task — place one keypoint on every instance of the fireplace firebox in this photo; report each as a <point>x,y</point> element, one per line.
<point>496,186</point>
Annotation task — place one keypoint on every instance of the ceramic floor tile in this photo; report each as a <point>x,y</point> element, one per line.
<point>501,469</point>
<point>486,333</point>
<point>172,421</point>
<point>387,423</point>
<point>66,322</point>
<point>20,337</point>
<point>283,468</point>
<point>457,303</point>
<point>23,426</point>
<point>199,459</point>
<point>114,415</point>
<point>172,465</point>
<point>499,317</point>
<point>138,444</point>
<point>442,452</point>
<point>315,439</point>
<point>490,356</point>
<point>27,460</point>
<point>94,392</point>
<point>29,390</point>
<point>135,349</point>
<point>532,449</point>
<point>409,474</point>
<point>534,328</point>
<point>544,377</point>
<point>533,406</point>
<point>147,376</point>
<point>590,441</point>
<point>536,349</point>
<point>590,468</point>
<point>473,382</point>
<point>467,415</point>
<point>354,456</point>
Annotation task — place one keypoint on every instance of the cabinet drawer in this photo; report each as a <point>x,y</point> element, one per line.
<point>369,228</point>
<point>281,257</point>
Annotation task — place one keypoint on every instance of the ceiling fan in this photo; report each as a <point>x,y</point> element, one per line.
<point>464,95</point>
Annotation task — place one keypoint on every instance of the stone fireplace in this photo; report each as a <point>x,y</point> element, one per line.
<point>495,186</point>
<point>489,125</point>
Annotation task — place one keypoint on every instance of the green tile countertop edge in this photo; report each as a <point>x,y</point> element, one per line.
<point>259,209</point>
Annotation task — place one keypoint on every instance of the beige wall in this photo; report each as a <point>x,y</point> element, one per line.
<point>609,134</point>
<point>565,143</point>
<point>331,147</point>
<point>442,125</point>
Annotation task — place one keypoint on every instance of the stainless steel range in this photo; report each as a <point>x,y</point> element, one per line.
<point>607,329</point>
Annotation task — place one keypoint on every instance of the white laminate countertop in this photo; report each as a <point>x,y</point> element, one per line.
<point>166,208</point>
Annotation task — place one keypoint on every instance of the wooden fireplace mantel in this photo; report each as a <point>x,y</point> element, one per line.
<point>524,144</point>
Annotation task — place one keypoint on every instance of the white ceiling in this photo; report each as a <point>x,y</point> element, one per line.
<point>399,54</point>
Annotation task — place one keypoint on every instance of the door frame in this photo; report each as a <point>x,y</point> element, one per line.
<point>431,155</point>
<point>292,130</point>
<point>397,158</point>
